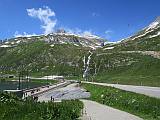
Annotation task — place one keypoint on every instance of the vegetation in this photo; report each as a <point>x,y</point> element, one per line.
<point>39,58</point>
<point>44,81</point>
<point>146,44</point>
<point>31,80</point>
<point>126,68</point>
<point>13,108</point>
<point>143,106</point>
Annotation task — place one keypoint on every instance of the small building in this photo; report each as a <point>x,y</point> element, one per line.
<point>7,76</point>
<point>18,93</point>
<point>60,78</point>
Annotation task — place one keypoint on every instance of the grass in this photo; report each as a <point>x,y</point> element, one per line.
<point>143,106</point>
<point>44,81</point>
<point>13,108</point>
<point>138,80</point>
<point>110,66</point>
<point>78,78</point>
<point>40,59</point>
<point>33,80</point>
<point>124,68</point>
<point>148,44</point>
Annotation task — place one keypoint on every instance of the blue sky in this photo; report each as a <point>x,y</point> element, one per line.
<point>111,19</point>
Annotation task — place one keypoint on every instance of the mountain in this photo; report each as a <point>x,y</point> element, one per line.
<point>41,58</point>
<point>57,53</point>
<point>147,39</point>
<point>151,31</point>
<point>59,37</point>
<point>134,60</point>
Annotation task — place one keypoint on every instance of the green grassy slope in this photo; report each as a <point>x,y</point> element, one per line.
<point>146,44</point>
<point>40,58</point>
<point>127,68</point>
<point>111,66</point>
<point>119,66</point>
<point>137,104</point>
<point>13,108</point>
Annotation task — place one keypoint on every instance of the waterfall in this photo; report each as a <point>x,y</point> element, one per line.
<point>86,65</point>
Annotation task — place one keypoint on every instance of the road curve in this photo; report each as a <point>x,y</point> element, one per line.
<point>96,111</point>
<point>69,92</point>
<point>149,91</point>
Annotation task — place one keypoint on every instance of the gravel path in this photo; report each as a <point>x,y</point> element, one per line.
<point>96,111</point>
<point>149,91</point>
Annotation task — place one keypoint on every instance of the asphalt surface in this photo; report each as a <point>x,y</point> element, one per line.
<point>92,110</point>
<point>70,92</point>
<point>149,91</point>
<point>95,111</point>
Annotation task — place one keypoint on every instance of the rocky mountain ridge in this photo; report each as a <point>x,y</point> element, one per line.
<point>91,41</point>
<point>151,31</point>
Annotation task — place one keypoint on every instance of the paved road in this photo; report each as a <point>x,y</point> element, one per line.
<point>149,91</point>
<point>96,111</point>
<point>72,91</point>
<point>44,89</point>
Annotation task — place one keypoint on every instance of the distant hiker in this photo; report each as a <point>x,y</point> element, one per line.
<point>51,98</point>
<point>35,98</point>
<point>32,91</point>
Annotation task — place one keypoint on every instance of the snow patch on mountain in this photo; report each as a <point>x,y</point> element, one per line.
<point>18,41</point>
<point>152,26</point>
<point>142,35</point>
<point>145,32</point>
<point>5,46</point>
<point>87,36</point>
<point>116,42</point>
<point>61,37</point>
<point>152,36</point>
<point>76,44</point>
<point>108,48</point>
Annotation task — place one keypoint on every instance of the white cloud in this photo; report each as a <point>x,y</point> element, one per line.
<point>87,33</point>
<point>78,31</point>
<point>45,15</point>
<point>108,31</point>
<point>24,34</point>
<point>108,34</point>
<point>73,31</point>
<point>83,33</point>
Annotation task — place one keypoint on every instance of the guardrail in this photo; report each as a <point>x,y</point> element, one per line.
<point>39,93</point>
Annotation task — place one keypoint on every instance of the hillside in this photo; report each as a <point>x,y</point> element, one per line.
<point>59,37</point>
<point>57,53</point>
<point>41,58</point>
<point>14,108</point>
<point>126,68</point>
<point>147,39</point>
<point>134,60</point>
